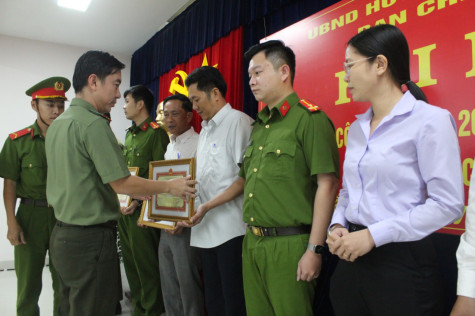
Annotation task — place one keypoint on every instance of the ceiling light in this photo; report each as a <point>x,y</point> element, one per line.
<point>80,5</point>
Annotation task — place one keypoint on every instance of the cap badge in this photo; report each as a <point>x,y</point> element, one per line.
<point>58,86</point>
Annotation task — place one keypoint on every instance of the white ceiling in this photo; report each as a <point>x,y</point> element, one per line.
<point>120,26</point>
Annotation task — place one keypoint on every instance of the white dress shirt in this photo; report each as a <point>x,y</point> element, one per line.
<point>182,146</point>
<point>221,145</point>
<point>466,249</point>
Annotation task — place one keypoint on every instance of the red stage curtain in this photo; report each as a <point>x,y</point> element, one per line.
<point>227,54</point>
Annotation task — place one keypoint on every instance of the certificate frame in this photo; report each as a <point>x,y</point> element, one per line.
<point>164,206</point>
<point>124,199</point>
<point>145,220</point>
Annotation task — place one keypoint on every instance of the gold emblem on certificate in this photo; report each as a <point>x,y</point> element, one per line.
<point>165,208</point>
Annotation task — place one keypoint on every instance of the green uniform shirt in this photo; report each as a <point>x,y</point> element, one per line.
<point>83,157</point>
<point>143,144</point>
<point>290,145</point>
<point>24,160</point>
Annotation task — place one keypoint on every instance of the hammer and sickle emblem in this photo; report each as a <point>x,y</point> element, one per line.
<point>175,87</point>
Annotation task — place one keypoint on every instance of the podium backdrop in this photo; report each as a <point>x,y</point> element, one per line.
<point>441,36</point>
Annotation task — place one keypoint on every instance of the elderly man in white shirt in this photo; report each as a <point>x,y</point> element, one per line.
<point>219,233</point>
<point>179,262</point>
<point>465,304</point>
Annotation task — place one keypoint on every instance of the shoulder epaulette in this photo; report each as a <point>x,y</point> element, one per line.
<point>309,106</point>
<point>154,125</point>
<point>21,133</point>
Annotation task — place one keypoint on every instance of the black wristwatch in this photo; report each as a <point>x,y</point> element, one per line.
<point>140,203</point>
<point>315,248</point>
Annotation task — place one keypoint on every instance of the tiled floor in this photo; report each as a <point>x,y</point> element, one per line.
<point>8,294</point>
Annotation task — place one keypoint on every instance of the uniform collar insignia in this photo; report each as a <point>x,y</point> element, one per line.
<point>284,108</point>
<point>144,126</point>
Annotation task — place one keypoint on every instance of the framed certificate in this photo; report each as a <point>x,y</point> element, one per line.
<point>165,206</point>
<point>124,199</point>
<point>145,220</point>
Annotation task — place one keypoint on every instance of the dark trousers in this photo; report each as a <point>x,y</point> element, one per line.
<point>86,262</point>
<point>394,279</point>
<point>222,273</point>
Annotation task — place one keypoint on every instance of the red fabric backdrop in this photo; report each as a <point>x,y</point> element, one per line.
<point>442,51</point>
<point>226,55</point>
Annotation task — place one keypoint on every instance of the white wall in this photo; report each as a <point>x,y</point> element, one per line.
<point>22,64</point>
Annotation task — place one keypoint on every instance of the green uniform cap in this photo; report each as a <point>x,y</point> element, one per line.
<point>51,88</point>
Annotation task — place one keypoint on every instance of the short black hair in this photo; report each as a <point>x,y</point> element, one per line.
<point>389,41</point>
<point>207,78</point>
<point>95,62</point>
<point>277,53</point>
<point>141,93</point>
<point>185,102</point>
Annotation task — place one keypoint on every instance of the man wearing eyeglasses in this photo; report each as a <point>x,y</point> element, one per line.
<point>179,262</point>
<point>23,161</point>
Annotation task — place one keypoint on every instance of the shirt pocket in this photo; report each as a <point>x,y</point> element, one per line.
<point>247,157</point>
<point>279,160</point>
<point>220,164</point>
<point>33,172</point>
<point>129,155</point>
<point>141,158</point>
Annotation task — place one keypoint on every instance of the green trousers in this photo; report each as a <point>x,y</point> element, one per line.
<point>269,267</point>
<point>86,261</point>
<point>37,224</point>
<point>140,257</point>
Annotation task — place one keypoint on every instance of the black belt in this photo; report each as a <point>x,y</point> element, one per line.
<point>280,231</point>
<point>355,227</point>
<point>35,203</point>
<point>109,224</point>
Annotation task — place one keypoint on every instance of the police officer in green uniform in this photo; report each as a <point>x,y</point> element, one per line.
<point>145,141</point>
<point>86,172</point>
<point>23,162</point>
<point>293,151</point>
<point>290,180</point>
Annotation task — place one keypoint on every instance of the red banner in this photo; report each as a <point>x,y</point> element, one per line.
<point>226,55</point>
<point>441,36</point>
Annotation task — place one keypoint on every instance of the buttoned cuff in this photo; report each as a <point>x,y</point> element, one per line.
<point>381,233</point>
